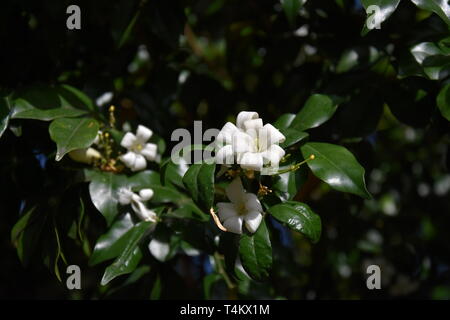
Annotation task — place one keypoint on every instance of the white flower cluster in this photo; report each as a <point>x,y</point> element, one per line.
<point>126,196</point>
<point>138,149</point>
<point>249,143</point>
<point>243,208</point>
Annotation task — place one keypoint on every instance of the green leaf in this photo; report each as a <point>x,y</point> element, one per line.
<point>44,103</point>
<point>255,251</point>
<point>103,190</point>
<point>5,114</point>
<point>299,217</point>
<point>317,109</point>
<point>72,134</point>
<point>434,59</point>
<point>291,9</point>
<point>386,9</point>
<point>336,166</point>
<point>293,136</point>
<point>199,181</point>
<point>75,98</point>
<point>284,121</point>
<point>286,185</point>
<point>111,244</point>
<point>130,257</point>
<point>443,101</point>
<point>440,7</point>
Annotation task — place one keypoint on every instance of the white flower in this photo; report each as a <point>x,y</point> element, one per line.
<point>85,155</point>
<point>252,143</point>
<point>244,207</point>
<point>126,196</point>
<point>138,149</point>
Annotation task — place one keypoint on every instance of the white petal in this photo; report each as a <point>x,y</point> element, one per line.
<point>245,116</point>
<point>243,142</point>
<point>252,221</point>
<point>146,194</point>
<point>225,155</point>
<point>253,126</point>
<point>225,135</point>
<point>269,135</point>
<point>142,211</point>
<point>129,159</point>
<point>252,202</point>
<point>128,140</point>
<point>143,134</point>
<point>251,161</point>
<point>235,191</point>
<point>149,151</point>
<point>226,210</point>
<point>160,250</point>
<point>140,163</point>
<point>97,138</point>
<point>233,224</point>
<point>124,195</point>
<point>274,154</point>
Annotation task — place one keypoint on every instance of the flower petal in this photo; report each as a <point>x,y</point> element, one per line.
<point>146,194</point>
<point>253,126</point>
<point>274,154</point>
<point>129,159</point>
<point>243,142</point>
<point>233,224</point>
<point>124,195</point>
<point>128,140</point>
<point>252,221</point>
<point>252,202</point>
<point>245,116</point>
<point>235,191</point>
<point>160,250</point>
<point>142,211</point>
<point>225,135</point>
<point>226,210</point>
<point>149,151</point>
<point>269,135</point>
<point>225,155</point>
<point>143,134</point>
<point>251,161</point>
<point>140,163</point>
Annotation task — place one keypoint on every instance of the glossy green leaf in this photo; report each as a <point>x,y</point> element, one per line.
<point>172,173</point>
<point>103,190</point>
<point>255,251</point>
<point>199,181</point>
<point>377,16</point>
<point>293,136</point>
<point>5,114</point>
<point>284,121</point>
<point>287,185</point>
<point>45,103</point>
<point>317,109</point>
<point>72,134</point>
<point>434,59</point>
<point>440,7</point>
<point>299,217</point>
<point>336,166</point>
<point>443,101</point>
<point>111,244</point>
<point>131,255</point>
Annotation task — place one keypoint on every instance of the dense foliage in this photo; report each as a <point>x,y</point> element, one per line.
<point>363,179</point>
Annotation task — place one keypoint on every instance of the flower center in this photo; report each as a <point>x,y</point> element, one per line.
<point>241,210</point>
<point>138,147</point>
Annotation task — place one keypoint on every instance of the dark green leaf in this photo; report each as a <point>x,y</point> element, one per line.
<point>255,251</point>
<point>5,114</point>
<point>291,8</point>
<point>199,180</point>
<point>72,134</point>
<point>443,101</point>
<point>299,217</point>
<point>336,166</point>
<point>293,136</point>
<point>284,121</point>
<point>440,7</point>
<point>434,59</point>
<point>317,109</point>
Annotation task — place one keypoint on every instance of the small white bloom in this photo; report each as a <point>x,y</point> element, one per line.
<point>85,155</point>
<point>126,196</point>
<point>104,98</point>
<point>243,208</point>
<point>138,149</point>
<point>250,142</point>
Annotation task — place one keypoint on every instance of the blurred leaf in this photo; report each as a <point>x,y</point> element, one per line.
<point>131,255</point>
<point>5,114</point>
<point>208,283</point>
<point>255,251</point>
<point>443,101</point>
<point>199,180</point>
<point>291,9</point>
<point>317,110</point>
<point>111,244</point>
<point>440,7</point>
<point>336,166</point>
<point>103,190</point>
<point>72,134</point>
<point>299,217</point>
<point>435,60</point>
